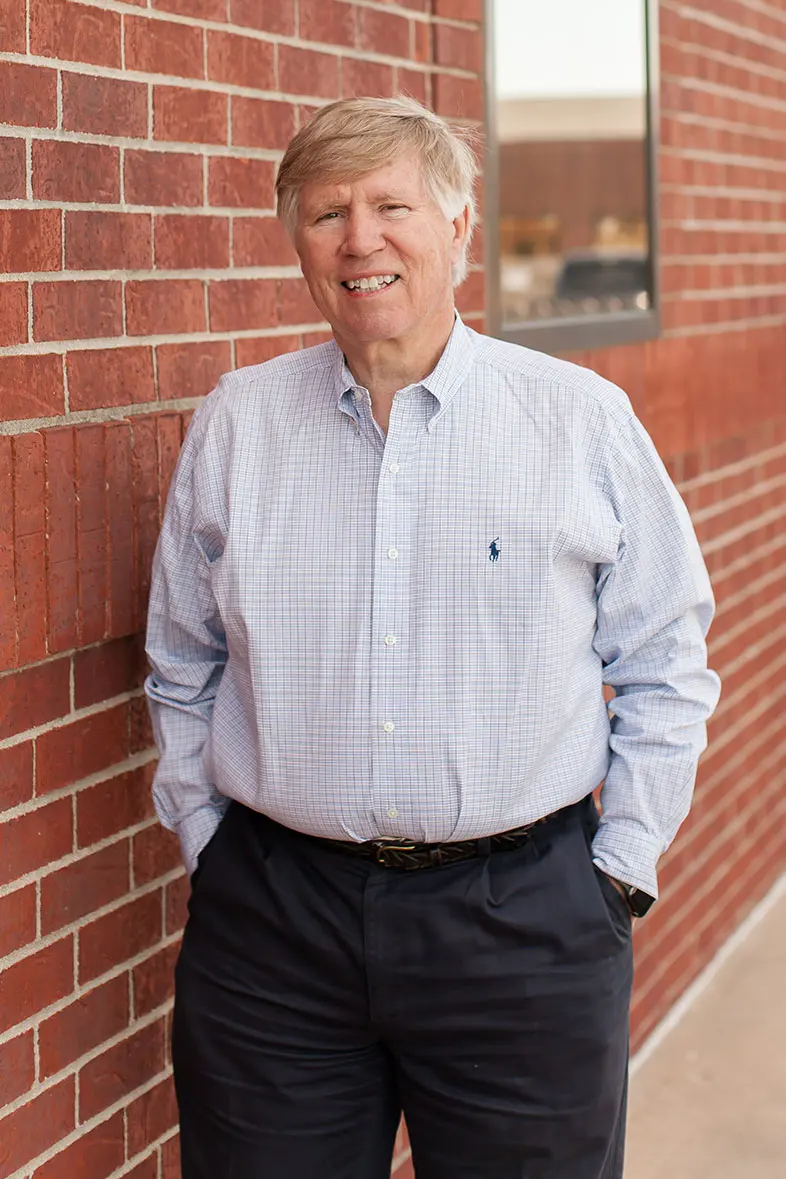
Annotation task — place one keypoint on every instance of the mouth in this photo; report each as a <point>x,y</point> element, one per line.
<point>371,285</point>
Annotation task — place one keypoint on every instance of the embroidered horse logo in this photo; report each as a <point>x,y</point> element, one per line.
<point>494,549</point>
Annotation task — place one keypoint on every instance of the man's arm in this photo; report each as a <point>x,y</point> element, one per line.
<point>187,650</point>
<point>655,606</point>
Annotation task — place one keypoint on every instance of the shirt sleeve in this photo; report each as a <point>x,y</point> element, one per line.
<point>187,650</point>
<point>655,606</point>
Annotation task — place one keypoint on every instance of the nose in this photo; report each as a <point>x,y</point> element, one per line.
<point>363,234</point>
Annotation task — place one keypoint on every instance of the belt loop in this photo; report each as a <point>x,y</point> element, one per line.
<point>483,845</point>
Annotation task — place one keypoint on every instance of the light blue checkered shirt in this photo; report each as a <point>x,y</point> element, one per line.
<point>408,635</point>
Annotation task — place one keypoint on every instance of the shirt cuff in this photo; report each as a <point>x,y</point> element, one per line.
<point>197,829</point>
<point>628,853</point>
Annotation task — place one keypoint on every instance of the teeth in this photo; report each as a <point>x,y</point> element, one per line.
<point>371,284</point>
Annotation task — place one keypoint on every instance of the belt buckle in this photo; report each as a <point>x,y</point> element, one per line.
<point>382,846</point>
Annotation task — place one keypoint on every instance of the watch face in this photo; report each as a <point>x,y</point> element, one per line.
<point>640,902</point>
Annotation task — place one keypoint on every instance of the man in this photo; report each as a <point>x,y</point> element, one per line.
<point>395,573</point>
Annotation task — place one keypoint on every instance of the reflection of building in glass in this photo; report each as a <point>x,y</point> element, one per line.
<point>573,206</point>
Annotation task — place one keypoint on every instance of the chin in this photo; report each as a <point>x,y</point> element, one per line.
<point>368,324</point>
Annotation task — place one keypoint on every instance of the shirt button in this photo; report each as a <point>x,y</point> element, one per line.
<point>389,640</point>
<point>392,813</point>
<point>393,554</point>
<point>388,726</point>
<point>393,468</point>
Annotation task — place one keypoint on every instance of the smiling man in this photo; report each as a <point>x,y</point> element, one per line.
<point>395,574</point>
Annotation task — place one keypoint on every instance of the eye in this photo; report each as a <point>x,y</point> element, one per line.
<point>330,216</point>
<point>395,208</point>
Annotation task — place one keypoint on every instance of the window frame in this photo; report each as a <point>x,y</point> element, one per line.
<point>590,331</point>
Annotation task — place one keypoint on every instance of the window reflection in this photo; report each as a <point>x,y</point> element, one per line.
<point>571,116</point>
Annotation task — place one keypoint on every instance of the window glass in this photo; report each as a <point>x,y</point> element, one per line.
<point>570,95</point>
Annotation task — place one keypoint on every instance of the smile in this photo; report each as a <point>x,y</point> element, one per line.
<point>376,283</point>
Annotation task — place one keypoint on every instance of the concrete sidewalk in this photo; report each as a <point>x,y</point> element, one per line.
<point>709,1100</point>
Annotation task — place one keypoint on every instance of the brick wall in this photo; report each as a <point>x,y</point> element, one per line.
<point>141,260</point>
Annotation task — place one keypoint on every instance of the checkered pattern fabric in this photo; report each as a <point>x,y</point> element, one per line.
<point>368,635</point>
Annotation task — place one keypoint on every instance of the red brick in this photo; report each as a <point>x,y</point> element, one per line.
<point>304,71</point>
<point>13,169</point>
<point>202,9</point>
<point>146,501</point>
<point>295,305</point>
<point>189,116</point>
<point>121,620</point>
<point>360,78</point>
<point>241,183</point>
<point>28,95</point>
<point>16,776</point>
<point>102,377</point>
<point>109,807</point>
<point>84,886</point>
<point>30,240</point>
<point>470,296</point>
<point>159,306</point>
<point>170,1158</point>
<point>460,98</point>
<point>261,241</point>
<point>70,31</point>
<point>471,10</point>
<point>29,524</point>
<point>64,171</point>
<point>91,532</point>
<point>13,313</point>
<point>17,922</point>
<point>77,310</point>
<point>163,178</point>
<point>147,1169</point>
<point>121,1069</point>
<point>87,746</point>
<point>17,1067</point>
<point>163,47</point>
<point>83,1025</point>
<point>107,241</point>
<point>117,936</point>
<point>423,47</point>
<point>13,19</point>
<point>462,48</point>
<point>312,339</point>
<point>257,350</point>
<point>141,728</point>
<point>191,242</point>
<point>169,437</point>
<point>36,1126</point>
<point>156,852</point>
<point>241,61</point>
<point>154,980</point>
<point>176,895</point>
<point>104,106</point>
<point>61,550</point>
<point>189,370</point>
<point>93,1156</point>
<point>329,21</point>
<point>271,16</point>
<point>33,696</point>
<point>7,570</point>
<point>31,387</point>
<point>151,1115</point>
<point>32,983</point>
<point>383,32</point>
<point>34,839</point>
<point>260,123</point>
<point>242,303</point>
<point>107,670</point>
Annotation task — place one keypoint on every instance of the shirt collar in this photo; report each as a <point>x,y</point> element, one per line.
<point>444,380</point>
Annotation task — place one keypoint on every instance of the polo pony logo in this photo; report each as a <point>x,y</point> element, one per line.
<point>494,549</point>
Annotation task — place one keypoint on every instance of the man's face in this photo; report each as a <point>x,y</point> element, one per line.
<point>386,232</point>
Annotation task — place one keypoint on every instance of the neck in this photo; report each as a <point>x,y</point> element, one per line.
<point>385,366</point>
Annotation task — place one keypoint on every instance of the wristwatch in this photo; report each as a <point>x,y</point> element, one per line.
<point>639,902</point>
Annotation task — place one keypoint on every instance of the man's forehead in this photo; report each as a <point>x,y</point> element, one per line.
<point>388,182</point>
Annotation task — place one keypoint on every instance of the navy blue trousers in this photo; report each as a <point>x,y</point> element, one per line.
<point>318,996</point>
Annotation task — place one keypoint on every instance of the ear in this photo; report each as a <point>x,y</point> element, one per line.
<point>460,233</point>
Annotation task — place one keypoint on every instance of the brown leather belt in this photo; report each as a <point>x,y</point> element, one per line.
<point>409,856</point>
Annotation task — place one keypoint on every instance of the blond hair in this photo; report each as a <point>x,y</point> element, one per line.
<point>349,139</point>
